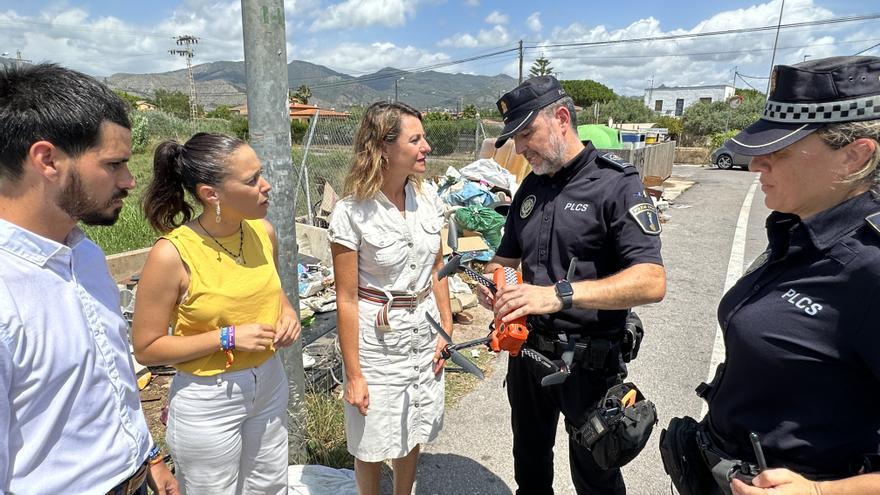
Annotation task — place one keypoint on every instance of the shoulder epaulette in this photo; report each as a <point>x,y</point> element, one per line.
<point>874,221</point>
<point>615,161</point>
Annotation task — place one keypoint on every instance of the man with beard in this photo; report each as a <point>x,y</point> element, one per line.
<point>70,415</point>
<point>576,203</point>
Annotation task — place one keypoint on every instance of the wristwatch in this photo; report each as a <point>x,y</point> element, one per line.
<point>565,293</point>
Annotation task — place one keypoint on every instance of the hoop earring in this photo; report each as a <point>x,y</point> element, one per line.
<point>217,212</point>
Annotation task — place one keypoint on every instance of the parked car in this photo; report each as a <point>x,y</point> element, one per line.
<point>726,159</point>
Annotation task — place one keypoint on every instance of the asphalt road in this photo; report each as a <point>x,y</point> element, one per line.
<point>473,453</point>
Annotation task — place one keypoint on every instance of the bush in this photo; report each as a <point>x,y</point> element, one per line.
<point>443,135</point>
<point>298,129</point>
<point>719,137</point>
<point>673,126</point>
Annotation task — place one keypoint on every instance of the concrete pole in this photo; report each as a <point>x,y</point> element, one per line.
<point>265,56</point>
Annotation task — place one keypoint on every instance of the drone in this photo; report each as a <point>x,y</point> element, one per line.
<point>510,336</point>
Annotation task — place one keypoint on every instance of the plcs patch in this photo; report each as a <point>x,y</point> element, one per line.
<point>646,216</point>
<point>527,206</point>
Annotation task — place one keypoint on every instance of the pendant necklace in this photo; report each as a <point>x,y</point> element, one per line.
<point>239,258</point>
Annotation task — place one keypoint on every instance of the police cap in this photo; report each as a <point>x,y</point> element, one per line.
<point>521,105</point>
<point>804,97</point>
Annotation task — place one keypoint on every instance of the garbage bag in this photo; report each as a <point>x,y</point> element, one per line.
<point>484,220</point>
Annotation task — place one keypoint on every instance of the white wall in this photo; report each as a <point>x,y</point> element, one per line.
<point>690,95</point>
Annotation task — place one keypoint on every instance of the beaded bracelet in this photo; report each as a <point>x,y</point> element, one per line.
<point>154,456</point>
<point>227,343</point>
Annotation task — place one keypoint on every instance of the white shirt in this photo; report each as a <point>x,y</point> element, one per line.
<point>70,415</point>
<point>394,253</point>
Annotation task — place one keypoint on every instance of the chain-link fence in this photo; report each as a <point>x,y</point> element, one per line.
<point>324,155</point>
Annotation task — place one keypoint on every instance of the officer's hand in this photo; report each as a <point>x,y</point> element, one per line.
<point>514,301</point>
<point>485,297</point>
<point>777,482</point>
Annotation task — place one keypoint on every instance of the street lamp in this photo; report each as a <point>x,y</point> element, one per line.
<point>395,87</point>
<point>805,58</point>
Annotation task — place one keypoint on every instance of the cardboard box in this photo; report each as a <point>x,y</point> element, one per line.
<point>465,242</point>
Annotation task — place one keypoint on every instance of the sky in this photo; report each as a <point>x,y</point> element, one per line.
<point>103,37</point>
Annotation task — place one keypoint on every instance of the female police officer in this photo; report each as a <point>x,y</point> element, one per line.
<point>803,347</point>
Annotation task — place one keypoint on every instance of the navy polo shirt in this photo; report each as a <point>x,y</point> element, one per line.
<point>588,210</point>
<point>803,344</point>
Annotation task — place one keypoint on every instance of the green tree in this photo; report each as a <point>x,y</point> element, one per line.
<point>302,94</point>
<point>298,129</point>
<point>623,109</point>
<point>749,93</point>
<point>586,92</point>
<point>673,126</point>
<point>706,119</point>
<point>541,67</point>
<point>469,111</point>
<point>436,116</point>
<point>221,112</point>
<point>174,102</point>
<point>129,99</point>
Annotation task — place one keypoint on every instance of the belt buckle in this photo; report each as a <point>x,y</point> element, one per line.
<point>413,304</point>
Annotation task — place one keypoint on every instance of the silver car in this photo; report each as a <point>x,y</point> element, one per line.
<point>726,159</point>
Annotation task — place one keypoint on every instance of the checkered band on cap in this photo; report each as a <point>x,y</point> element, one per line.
<point>855,109</point>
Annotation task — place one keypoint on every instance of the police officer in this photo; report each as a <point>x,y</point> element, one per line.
<point>800,327</point>
<point>576,203</point>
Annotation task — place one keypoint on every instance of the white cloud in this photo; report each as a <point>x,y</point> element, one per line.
<point>496,36</point>
<point>357,58</point>
<point>628,67</point>
<point>534,22</point>
<point>496,17</point>
<point>361,13</point>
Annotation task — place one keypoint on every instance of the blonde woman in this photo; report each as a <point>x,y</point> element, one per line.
<point>385,240</point>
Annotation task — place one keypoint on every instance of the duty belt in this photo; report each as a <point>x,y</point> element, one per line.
<point>592,352</point>
<point>392,299</point>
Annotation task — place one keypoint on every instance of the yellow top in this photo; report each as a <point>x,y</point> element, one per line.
<point>221,292</point>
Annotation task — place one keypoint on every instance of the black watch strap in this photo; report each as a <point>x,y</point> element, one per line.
<point>565,293</point>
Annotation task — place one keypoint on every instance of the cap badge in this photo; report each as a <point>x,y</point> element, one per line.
<point>503,106</point>
<point>772,81</point>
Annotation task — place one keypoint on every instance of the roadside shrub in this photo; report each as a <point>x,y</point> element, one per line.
<point>298,129</point>
<point>719,137</point>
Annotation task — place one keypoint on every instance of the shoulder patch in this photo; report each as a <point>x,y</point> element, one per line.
<point>646,216</point>
<point>874,221</point>
<point>615,161</point>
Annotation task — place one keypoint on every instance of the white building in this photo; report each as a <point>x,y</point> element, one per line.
<point>673,100</point>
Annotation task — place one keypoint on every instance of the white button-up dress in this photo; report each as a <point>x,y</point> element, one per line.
<point>394,253</point>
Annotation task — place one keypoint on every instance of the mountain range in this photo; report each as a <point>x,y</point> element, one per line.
<point>225,83</point>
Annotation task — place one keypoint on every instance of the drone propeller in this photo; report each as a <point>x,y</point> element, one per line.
<point>450,267</point>
<point>457,357</point>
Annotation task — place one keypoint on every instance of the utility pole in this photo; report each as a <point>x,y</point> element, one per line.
<point>651,93</point>
<point>265,59</point>
<point>520,61</point>
<point>727,120</point>
<point>187,52</point>
<point>773,57</point>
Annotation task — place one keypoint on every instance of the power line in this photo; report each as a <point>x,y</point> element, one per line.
<point>867,49</point>
<point>836,20</point>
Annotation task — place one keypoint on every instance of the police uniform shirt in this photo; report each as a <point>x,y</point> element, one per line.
<point>594,209</point>
<point>803,343</point>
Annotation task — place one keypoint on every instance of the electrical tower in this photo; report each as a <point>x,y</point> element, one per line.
<point>187,42</point>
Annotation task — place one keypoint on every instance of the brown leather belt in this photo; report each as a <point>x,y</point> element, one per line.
<point>133,483</point>
<point>398,300</point>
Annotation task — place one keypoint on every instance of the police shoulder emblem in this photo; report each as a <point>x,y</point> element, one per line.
<point>759,261</point>
<point>646,216</point>
<point>527,206</point>
<point>615,161</point>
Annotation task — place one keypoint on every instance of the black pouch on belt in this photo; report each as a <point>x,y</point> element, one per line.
<point>633,332</point>
<point>683,460</point>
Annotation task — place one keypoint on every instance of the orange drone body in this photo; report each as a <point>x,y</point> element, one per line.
<point>508,336</point>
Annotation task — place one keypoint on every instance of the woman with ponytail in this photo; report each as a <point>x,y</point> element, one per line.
<point>385,240</point>
<point>212,278</point>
